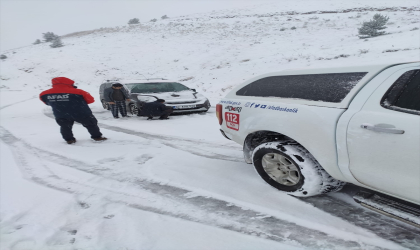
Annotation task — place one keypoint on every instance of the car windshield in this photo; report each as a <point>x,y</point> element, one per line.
<point>156,87</point>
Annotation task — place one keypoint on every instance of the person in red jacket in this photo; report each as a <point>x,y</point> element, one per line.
<point>70,105</point>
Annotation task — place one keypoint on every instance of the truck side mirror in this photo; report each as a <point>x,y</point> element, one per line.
<point>194,90</point>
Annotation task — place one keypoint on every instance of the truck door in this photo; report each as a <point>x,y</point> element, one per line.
<point>383,138</point>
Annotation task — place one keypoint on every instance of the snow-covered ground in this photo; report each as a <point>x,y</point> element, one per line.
<point>178,184</point>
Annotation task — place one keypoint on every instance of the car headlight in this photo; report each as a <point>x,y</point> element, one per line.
<point>207,104</point>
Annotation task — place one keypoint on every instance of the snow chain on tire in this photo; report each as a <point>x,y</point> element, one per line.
<point>315,179</point>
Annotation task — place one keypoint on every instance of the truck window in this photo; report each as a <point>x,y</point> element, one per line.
<point>404,94</point>
<point>316,87</point>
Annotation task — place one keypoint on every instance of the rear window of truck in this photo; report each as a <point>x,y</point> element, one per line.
<point>316,87</point>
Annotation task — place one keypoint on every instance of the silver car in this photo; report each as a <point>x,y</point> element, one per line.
<point>178,96</point>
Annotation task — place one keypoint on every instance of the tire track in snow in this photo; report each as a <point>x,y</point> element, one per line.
<point>8,105</point>
<point>385,227</point>
<point>160,197</point>
<point>180,144</point>
<point>186,145</point>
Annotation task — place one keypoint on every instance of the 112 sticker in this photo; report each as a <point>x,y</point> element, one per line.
<point>232,120</point>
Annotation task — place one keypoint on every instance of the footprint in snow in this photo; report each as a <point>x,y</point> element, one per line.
<point>84,205</point>
<point>143,158</point>
<point>72,232</point>
<point>109,216</point>
<point>112,160</point>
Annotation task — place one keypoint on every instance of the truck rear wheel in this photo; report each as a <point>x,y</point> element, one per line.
<point>289,167</point>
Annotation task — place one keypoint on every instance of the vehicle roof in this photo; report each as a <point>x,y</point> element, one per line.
<point>372,71</point>
<point>345,69</point>
<point>140,81</point>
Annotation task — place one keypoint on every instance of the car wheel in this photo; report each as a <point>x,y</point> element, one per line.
<point>289,167</point>
<point>105,105</point>
<point>133,109</point>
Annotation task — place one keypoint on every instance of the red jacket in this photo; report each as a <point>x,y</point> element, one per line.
<point>65,100</point>
<point>65,85</point>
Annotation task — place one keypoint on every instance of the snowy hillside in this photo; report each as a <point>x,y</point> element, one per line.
<point>179,184</point>
<point>215,51</point>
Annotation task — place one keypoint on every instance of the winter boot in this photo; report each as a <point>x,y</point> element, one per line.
<point>71,141</point>
<point>100,139</point>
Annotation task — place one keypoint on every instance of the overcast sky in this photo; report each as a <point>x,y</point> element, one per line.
<point>22,22</point>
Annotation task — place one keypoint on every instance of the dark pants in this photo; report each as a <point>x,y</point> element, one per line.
<point>119,105</point>
<point>89,122</point>
<point>166,113</point>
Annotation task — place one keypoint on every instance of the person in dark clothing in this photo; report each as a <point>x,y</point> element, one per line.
<point>156,108</point>
<point>70,105</point>
<point>116,97</point>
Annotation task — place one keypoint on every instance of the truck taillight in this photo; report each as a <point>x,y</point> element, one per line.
<point>219,113</point>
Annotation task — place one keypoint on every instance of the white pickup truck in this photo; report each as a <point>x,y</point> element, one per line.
<point>308,132</point>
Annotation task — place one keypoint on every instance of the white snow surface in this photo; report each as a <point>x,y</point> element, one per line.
<point>151,184</point>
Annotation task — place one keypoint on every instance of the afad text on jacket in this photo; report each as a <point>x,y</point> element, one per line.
<point>67,101</point>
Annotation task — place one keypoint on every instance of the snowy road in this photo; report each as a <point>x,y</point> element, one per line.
<point>179,184</point>
<point>174,169</point>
